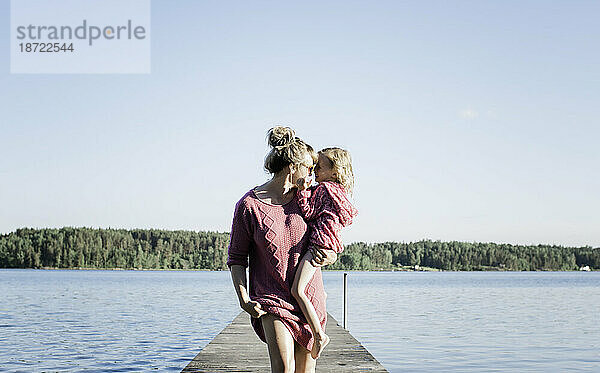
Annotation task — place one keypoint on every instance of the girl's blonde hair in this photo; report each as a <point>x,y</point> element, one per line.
<point>341,162</point>
<point>286,149</point>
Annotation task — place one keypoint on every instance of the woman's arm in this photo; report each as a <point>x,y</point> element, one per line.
<point>240,243</point>
<point>238,276</point>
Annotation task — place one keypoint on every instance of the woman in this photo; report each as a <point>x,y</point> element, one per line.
<point>269,236</point>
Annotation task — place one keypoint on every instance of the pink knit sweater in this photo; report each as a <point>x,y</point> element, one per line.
<point>270,240</point>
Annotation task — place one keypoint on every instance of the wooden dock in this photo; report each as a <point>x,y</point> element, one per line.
<point>238,349</point>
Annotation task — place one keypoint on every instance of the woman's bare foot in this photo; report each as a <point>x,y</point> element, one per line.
<point>320,343</point>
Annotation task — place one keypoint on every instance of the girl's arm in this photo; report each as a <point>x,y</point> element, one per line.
<point>335,211</point>
<point>308,203</point>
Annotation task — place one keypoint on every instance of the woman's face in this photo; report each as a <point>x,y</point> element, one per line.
<point>324,170</point>
<point>303,170</point>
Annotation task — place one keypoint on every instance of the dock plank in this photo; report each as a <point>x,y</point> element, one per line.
<point>238,349</point>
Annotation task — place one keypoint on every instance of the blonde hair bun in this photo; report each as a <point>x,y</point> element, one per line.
<point>280,136</point>
<point>286,149</point>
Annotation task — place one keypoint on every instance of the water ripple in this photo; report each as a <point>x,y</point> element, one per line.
<point>122,321</point>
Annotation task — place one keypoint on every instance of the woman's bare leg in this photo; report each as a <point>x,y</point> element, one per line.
<point>280,343</point>
<point>304,361</point>
<point>304,274</point>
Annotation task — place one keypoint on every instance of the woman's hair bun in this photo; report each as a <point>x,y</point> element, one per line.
<point>286,149</point>
<point>280,136</point>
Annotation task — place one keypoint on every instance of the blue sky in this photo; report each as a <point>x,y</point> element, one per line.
<point>467,120</point>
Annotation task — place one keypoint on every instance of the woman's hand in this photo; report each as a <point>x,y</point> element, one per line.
<point>322,256</point>
<point>253,308</point>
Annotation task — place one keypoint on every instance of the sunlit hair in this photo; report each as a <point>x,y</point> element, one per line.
<point>286,149</point>
<point>341,162</point>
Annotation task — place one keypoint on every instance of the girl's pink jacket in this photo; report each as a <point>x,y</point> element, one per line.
<point>327,209</point>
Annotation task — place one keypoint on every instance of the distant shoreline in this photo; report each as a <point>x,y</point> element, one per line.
<point>420,269</point>
<point>152,249</point>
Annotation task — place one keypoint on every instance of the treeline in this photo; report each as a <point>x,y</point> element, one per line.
<point>465,256</point>
<point>113,248</point>
<point>160,249</point>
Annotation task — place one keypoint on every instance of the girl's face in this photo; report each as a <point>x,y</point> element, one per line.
<point>324,170</point>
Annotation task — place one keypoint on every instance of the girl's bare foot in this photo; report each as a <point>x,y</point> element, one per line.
<point>320,343</point>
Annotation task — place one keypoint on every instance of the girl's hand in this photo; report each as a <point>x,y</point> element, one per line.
<point>304,183</point>
<point>322,256</point>
<point>253,308</point>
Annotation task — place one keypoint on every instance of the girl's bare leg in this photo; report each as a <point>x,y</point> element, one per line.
<point>280,343</point>
<point>304,274</point>
<point>304,361</point>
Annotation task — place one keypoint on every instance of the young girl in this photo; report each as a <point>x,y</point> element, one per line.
<point>327,208</point>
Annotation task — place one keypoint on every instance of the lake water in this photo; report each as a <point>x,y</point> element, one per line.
<point>410,321</point>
